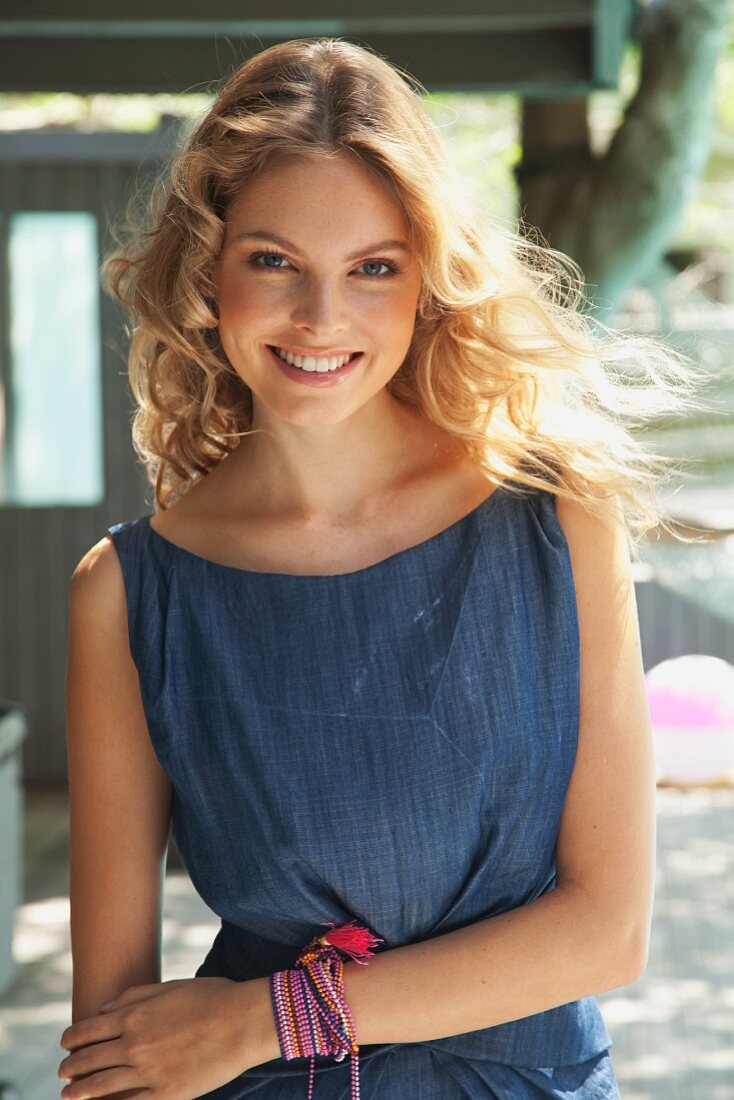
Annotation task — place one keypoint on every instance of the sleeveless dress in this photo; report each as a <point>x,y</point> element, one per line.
<point>391,745</point>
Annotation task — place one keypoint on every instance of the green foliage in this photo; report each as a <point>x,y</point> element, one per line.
<point>482,132</point>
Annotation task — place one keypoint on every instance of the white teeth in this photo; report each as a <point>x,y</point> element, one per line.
<point>309,363</point>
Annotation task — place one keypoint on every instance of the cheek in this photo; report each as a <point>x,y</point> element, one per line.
<point>245,313</point>
<point>399,315</point>
<point>395,309</point>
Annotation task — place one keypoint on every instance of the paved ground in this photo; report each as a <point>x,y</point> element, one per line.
<point>673,1029</point>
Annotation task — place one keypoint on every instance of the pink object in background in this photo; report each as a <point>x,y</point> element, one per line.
<point>691,702</point>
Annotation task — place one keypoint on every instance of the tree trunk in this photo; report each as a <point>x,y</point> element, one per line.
<point>615,214</point>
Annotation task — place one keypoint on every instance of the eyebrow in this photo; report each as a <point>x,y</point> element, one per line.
<point>264,235</point>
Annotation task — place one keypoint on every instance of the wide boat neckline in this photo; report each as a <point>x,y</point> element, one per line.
<point>487,504</point>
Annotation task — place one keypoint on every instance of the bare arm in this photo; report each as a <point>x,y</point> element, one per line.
<point>120,797</point>
<point>590,933</point>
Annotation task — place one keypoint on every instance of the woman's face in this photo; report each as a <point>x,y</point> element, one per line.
<point>312,263</point>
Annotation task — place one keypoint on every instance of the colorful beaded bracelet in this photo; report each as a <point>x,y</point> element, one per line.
<point>311,1014</point>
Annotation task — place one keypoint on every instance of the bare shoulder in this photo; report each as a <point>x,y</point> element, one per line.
<point>586,531</point>
<point>104,702</point>
<point>97,596</point>
<point>599,550</point>
<point>98,572</point>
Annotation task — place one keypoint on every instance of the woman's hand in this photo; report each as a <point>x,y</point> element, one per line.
<point>176,1039</point>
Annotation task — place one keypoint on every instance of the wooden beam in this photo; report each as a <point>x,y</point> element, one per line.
<point>502,14</point>
<point>531,64</point>
<point>531,48</point>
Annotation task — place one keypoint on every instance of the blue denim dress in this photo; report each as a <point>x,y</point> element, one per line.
<point>391,745</point>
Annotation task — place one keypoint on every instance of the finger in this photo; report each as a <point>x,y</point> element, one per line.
<point>80,1032</point>
<point>103,1083</point>
<point>93,1030</point>
<point>90,1059</point>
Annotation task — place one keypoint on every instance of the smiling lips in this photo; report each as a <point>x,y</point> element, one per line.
<point>311,362</point>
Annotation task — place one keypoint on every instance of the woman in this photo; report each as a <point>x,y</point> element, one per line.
<point>375,655</point>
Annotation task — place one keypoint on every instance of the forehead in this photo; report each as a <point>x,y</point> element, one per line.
<point>309,185</point>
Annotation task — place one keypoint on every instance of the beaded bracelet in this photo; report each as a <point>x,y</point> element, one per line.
<point>311,1014</point>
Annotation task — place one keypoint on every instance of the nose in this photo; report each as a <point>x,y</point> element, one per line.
<point>319,309</point>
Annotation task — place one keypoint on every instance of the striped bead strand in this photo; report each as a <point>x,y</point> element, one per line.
<point>309,1007</point>
<point>314,1018</point>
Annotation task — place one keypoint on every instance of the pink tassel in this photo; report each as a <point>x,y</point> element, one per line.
<point>353,939</point>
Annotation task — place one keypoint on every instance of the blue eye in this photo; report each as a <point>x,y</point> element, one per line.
<point>392,268</point>
<point>257,256</point>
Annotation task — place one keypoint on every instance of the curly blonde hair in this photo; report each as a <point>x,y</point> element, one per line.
<point>503,356</point>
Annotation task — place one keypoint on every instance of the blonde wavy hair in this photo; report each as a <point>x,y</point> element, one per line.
<point>503,355</point>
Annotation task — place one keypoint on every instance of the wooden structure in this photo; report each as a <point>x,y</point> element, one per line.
<point>531,47</point>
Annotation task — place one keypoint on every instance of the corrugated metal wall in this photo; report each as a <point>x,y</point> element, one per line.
<point>39,547</point>
<point>672,625</point>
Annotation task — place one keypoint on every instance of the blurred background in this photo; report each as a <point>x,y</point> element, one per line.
<point>606,125</point>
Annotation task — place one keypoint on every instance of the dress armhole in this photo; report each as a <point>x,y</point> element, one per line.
<point>543,507</point>
<point>141,594</point>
